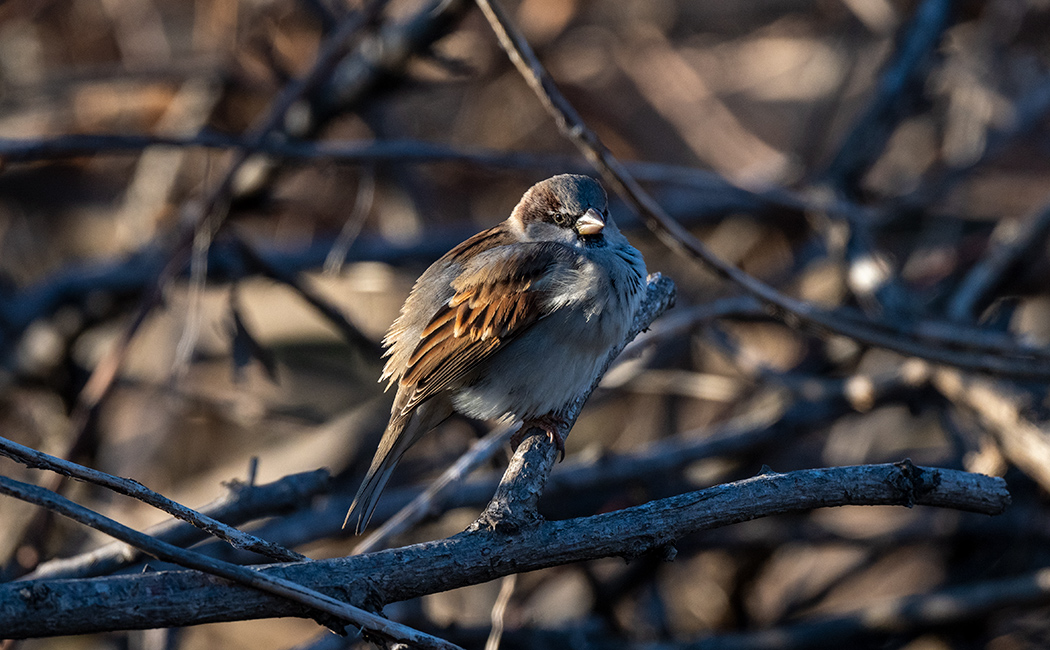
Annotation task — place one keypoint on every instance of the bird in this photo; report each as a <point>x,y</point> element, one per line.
<point>512,323</point>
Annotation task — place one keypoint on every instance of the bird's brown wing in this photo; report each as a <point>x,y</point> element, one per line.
<point>497,298</point>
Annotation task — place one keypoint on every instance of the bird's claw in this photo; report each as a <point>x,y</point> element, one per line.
<point>549,425</point>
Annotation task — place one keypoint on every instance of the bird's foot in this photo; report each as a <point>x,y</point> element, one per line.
<point>550,424</point>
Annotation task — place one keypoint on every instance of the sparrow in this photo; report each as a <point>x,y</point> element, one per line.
<point>512,323</point>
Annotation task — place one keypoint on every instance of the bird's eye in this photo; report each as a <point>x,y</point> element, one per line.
<point>560,218</point>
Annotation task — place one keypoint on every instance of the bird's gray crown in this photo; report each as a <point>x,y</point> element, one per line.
<point>575,193</point>
<point>567,194</point>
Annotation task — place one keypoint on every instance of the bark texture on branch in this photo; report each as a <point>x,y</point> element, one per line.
<point>175,598</point>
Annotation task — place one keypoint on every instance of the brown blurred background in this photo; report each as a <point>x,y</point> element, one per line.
<point>745,110</point>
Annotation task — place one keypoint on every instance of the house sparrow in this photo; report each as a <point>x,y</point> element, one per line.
<point>515,321</point>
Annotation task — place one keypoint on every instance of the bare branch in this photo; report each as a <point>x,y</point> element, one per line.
<point>776,418</point>
<point>129,487</point>
<point>268,583</point>
<point>54,607</point>
<point>880,334</point>
<point>1003,256</point>
<point>1000,408</point>
<point>720,195</point>
<point>894,97</point>
<point>241,503</point>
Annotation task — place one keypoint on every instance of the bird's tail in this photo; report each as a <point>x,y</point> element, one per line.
<point>400,434</point>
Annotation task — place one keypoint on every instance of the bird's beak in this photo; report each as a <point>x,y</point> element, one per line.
<point>591,223</point>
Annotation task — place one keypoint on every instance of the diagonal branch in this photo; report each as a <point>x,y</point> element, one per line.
<point>894,98</point>
<point>1002,409</point>
<point>514,504</point>
<point>129,487</point>
<point>675,236</point>
<point>980,284</point>
<point>284,588</point>
<point>240,504</point>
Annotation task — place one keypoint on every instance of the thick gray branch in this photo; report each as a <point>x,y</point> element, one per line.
<point>166,599</point>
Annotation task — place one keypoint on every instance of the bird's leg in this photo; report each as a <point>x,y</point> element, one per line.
<point>550,423</point>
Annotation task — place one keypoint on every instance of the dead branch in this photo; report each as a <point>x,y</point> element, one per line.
<point>677,238</point>
<point>134,489</point>
<point>326,605</point>
<point>910,614</point>
<point>780,418</point>
<point>1001,409</point>
<point>894,97</point>
<point>240,504</point>
<point>55,607</point>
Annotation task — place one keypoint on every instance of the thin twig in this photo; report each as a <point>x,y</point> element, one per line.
<point>366,189</point>
<point>986,277</point>
<point>129,487</point>
<point>676,237</point>
<point>333,314</point>
<point>499,610</point>
<point>241,503</point>
<point>242,575</point>
<point>719,192</point>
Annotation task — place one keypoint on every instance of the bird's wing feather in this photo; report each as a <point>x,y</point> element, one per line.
<point>498,296</point>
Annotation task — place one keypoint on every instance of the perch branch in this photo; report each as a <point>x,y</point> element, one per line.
<point>514,504</point>
<point>56,607</point>
<point>778,417</point>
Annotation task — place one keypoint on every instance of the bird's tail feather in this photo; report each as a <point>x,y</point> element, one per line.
<point>400,434</point>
